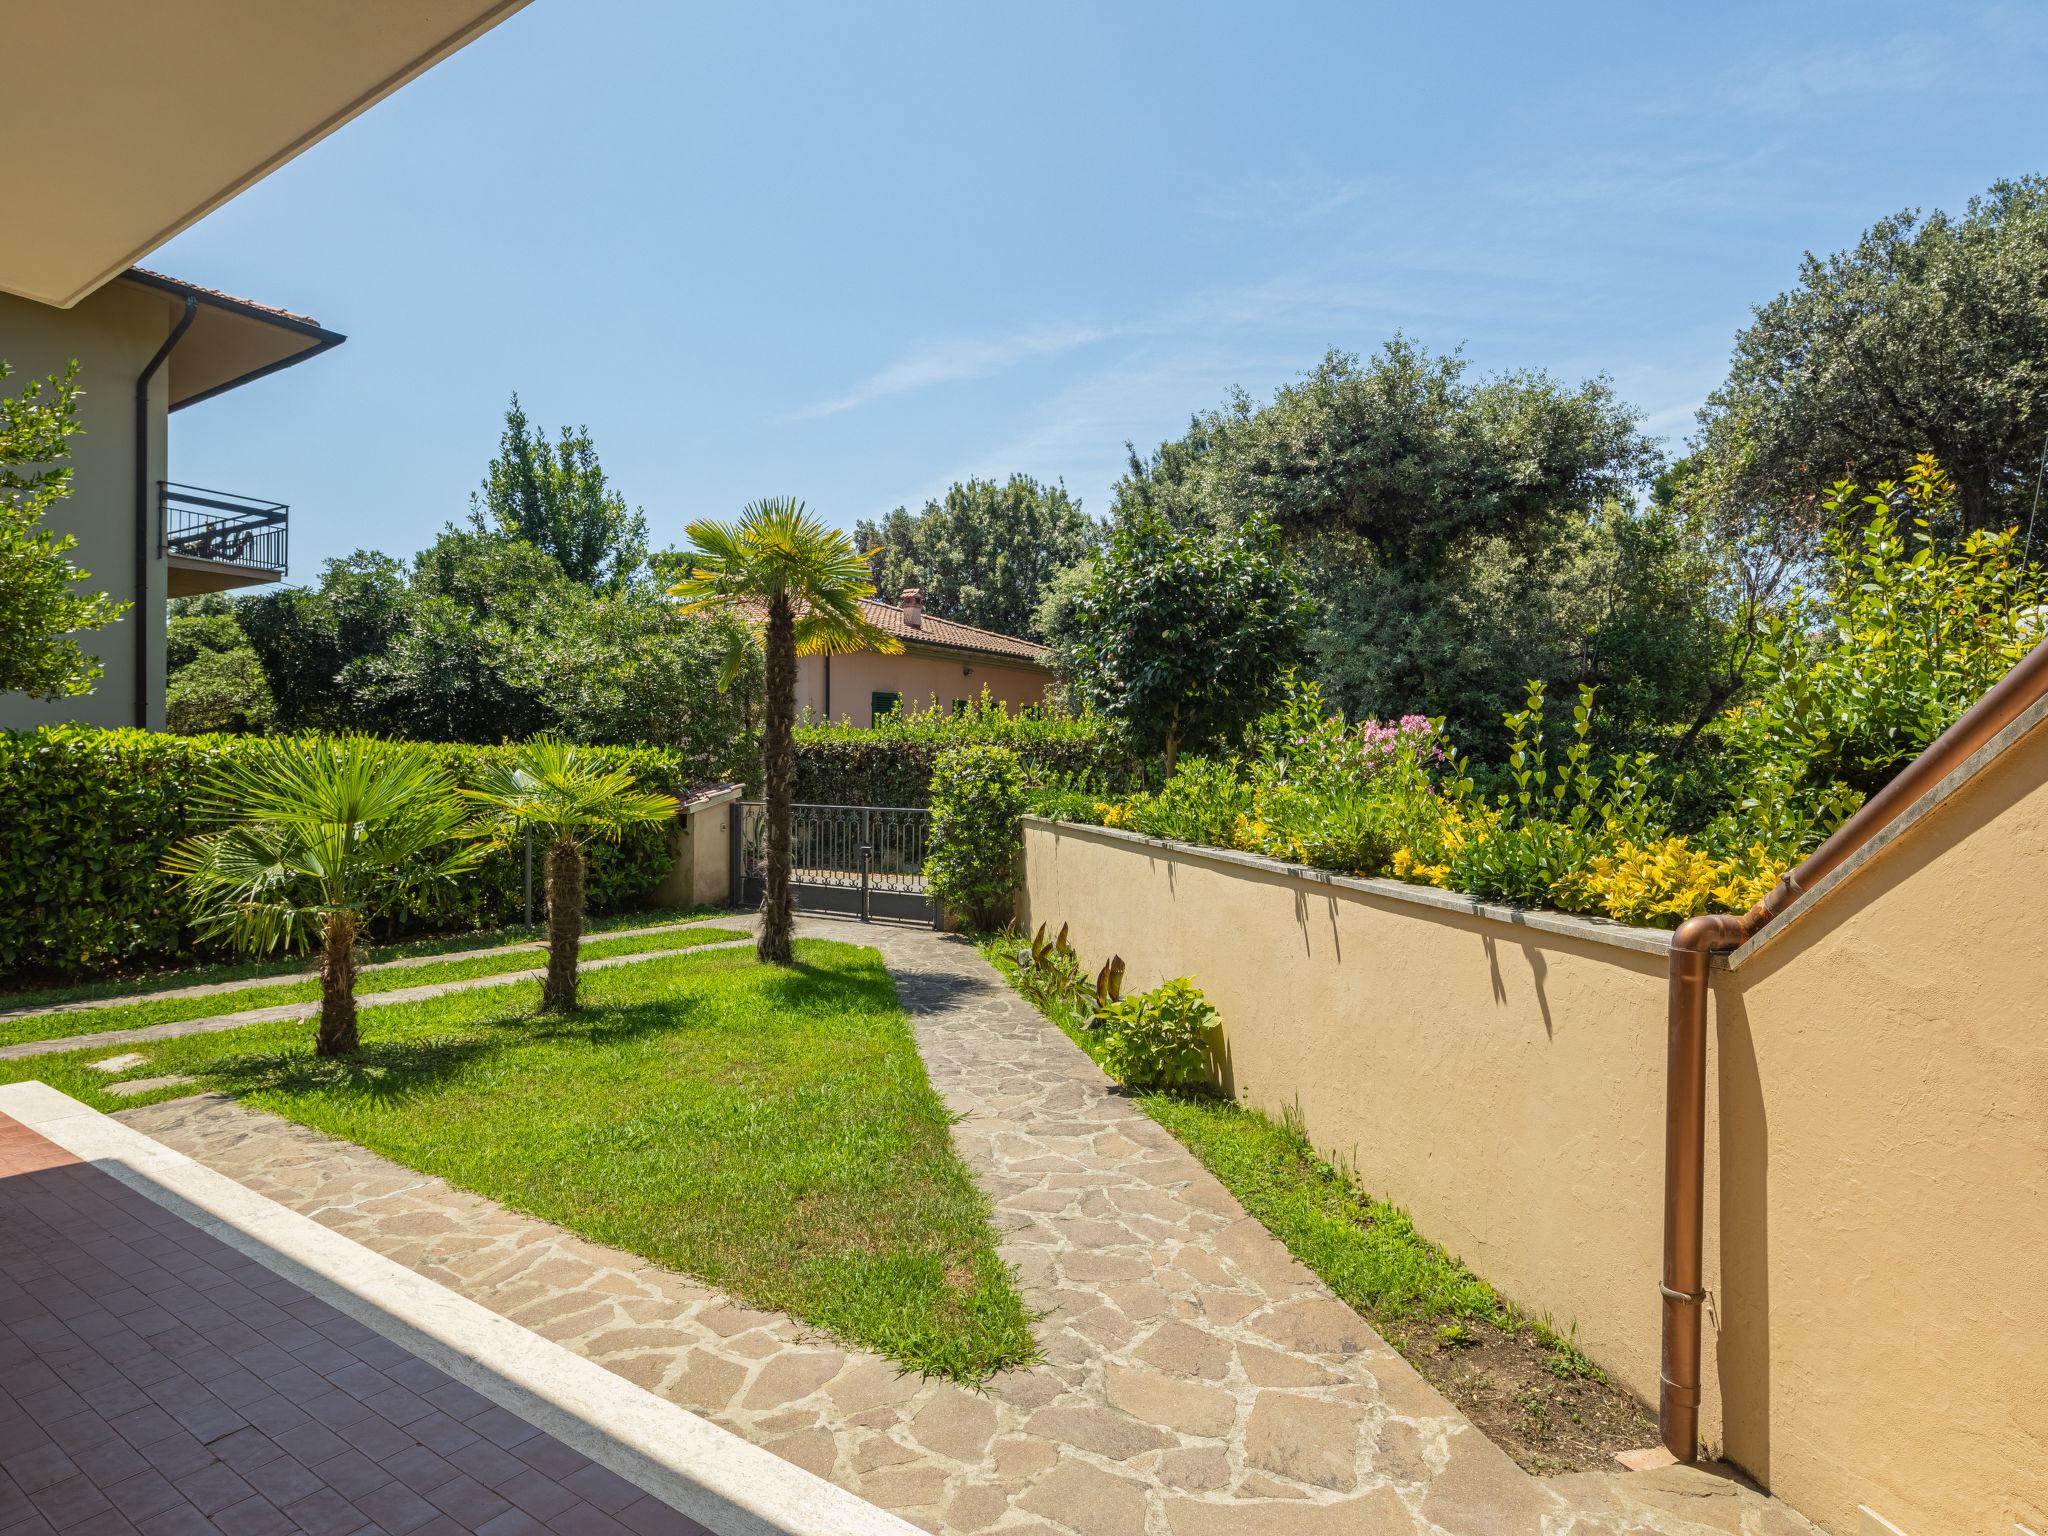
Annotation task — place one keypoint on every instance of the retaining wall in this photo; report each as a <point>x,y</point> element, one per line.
<point>1877,1165</point>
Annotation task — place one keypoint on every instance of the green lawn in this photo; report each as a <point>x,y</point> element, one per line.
<point>770,1131</point>
<point>134,984</point>
<point>1364,1249</point>
<point>171,1010</point>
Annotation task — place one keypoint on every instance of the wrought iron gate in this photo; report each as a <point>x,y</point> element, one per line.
<point>865,860</point>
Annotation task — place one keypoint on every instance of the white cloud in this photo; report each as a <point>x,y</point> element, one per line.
<point>1284,203</point>
<point>948,360</point>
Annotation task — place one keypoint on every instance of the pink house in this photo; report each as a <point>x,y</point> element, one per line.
<point>943,665</point>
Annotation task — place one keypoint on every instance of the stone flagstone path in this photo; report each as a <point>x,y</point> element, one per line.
<point>1198,1381</point>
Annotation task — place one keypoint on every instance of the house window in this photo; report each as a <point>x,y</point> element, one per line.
<point>880,704</point>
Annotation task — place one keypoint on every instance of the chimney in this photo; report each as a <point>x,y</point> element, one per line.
<point>913,608</point>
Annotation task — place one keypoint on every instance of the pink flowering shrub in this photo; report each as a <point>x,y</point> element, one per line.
<point>1311,789</point>
<point>1305,742</point>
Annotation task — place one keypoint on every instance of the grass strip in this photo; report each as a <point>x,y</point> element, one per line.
<point>174,1010</point>
<point>769,1130</point>
<point>137,983</point>
<point>1367,1251</point>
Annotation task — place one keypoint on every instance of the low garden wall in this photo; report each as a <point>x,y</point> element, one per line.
<point>1877,1163</point>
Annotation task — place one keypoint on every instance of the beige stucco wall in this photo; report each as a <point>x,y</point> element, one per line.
<point>1877,1165</point>
<point>702,873</point>
<point>1502,1084</point>
<point>1882,1086</point>
<point>922,677</point>
<point>113,334</point>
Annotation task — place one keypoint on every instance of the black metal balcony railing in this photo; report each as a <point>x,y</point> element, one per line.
<point>223,528</point>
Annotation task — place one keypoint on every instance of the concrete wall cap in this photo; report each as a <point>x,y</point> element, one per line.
<point>1590,930</point>
<point>716,795</point>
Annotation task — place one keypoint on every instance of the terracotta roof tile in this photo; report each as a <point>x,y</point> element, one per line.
<point>228,298</point>
<point>945,632</point>
<point>947,635</point>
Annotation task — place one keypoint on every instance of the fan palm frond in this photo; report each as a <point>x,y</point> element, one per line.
<point>307,825</point>
<point>778,548</point>
<point>561,790</point>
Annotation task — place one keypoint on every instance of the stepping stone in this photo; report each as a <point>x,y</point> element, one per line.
<point>120,1063</point>
<point>136,1085</point>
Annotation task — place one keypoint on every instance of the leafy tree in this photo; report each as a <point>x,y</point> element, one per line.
<point>1620,599</point>
<point>627,667</point>
<point>983,554</point>
<point>1932,333</point>
<point>1057,622</point>
<point>444,670</point>
<point>570,799</point>
<point>803,582</point>
<point>1402,453</point>
<point>1459,534</point>
<point>554,496</point>
<point>216,681</point>
<point>1184,635</point>
<point>313,837</point>
<point>307,639</point>
<point>39,610</point>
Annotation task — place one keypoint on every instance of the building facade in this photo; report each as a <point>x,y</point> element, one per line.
<point>943,665</point>
<point>148,345</point>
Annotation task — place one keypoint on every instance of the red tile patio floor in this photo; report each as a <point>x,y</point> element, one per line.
<point>155,1380</point>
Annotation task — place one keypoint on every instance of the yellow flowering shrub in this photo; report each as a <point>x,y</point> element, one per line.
<point>1410,868</point>
<point>1666,881</point>
<point>1457,830</point>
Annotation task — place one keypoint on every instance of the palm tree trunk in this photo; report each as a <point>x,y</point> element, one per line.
<point>565,925</point>
<point>337,1033</point>
<point>777,767</point>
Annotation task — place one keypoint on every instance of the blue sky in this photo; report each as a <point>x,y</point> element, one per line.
<point>853,254</point>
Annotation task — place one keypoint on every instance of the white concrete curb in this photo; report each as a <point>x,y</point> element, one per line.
<point>723,1482</point>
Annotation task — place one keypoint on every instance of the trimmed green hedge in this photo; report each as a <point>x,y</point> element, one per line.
<point>892,762</point>
<point>87,815</point>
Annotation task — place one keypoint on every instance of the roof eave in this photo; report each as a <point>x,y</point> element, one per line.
<point>953,648</point>
<point>320,339</point>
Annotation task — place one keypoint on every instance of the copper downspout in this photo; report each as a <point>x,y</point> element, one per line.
<point>1700,938</point>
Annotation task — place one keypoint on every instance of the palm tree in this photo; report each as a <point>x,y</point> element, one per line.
<point>313,837</point>
<point>802,582</point>
<point>571,798</point>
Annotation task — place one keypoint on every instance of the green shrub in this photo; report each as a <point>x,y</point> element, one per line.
<point>89,815</point>
<point>892,762</point>
<point>1202,803</point>
<point>1159,1039</point>
<point>220,690</point>
<point>1853,680</point>
<point>971,866</point>
<point>1051,975</point>
<point>1067,802</point>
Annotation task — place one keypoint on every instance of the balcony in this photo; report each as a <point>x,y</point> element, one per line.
<point>214,541</point>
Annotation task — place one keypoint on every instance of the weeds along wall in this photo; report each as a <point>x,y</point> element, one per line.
<point>87,815</point>
<point>1877,1120</point>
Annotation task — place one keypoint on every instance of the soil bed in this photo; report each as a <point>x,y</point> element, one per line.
<point>1504,1383</point>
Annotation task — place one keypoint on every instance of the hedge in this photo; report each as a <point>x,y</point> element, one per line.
<point>891,763</point>
<point>86,816</point>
